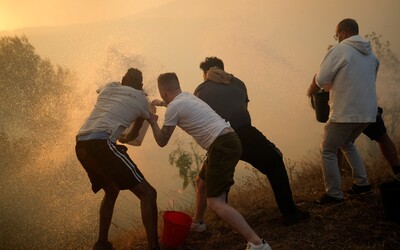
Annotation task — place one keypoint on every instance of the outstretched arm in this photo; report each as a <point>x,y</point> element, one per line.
<point>160,135</point>
<point>158,102</point>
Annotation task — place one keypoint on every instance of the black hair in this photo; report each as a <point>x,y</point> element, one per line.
<point>210,62</point>
<point>133,77</point>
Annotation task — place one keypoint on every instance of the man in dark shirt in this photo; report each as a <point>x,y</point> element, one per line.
<point>227,95</point>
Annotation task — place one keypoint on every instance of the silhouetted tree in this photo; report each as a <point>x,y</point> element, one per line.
<point>34,97</point>
<point>33,92</point>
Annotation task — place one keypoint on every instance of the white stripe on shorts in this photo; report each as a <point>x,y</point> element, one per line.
<point>127,162</point>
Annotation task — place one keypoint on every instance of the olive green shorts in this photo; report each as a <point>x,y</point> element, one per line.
<point>219,167</point>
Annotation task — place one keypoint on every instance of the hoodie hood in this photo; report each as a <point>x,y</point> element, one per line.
<point>218,75</point>
<point>359,43</point>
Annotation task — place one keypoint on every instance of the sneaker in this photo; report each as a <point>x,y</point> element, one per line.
<point>359,190</point>
<point>296,217</point>
<point>263,246</point>
<point>103,245</point>
<point>327,200</point>
<point>198,227</point>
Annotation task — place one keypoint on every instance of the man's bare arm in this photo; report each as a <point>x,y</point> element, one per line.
<point>314,87</point>
<point>160,135</point>
<point>134,131</point>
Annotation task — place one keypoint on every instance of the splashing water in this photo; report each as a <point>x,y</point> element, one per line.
<point>45,196</point>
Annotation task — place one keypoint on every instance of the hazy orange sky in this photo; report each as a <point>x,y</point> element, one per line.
<point>275,46</point>
<point>15,14</point>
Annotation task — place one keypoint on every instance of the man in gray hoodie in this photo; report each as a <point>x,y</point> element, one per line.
<point>348,72</point>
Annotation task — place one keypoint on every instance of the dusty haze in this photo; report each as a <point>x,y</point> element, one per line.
<point>274,46</point>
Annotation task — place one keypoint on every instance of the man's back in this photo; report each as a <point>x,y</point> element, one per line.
<point>228,100</point>
<point>116,108</point>
<point>351,67</point>
<point>195,117</point>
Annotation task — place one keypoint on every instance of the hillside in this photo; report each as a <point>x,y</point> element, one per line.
<point>359,223</point>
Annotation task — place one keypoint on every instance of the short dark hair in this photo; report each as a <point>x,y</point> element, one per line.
<point>210,62</point>
<point>168,77</point>
<point>169,81</point>
<point>349,25</point>
<point>132,78</point>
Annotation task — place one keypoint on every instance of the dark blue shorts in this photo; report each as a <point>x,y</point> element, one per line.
<point>375,130</point>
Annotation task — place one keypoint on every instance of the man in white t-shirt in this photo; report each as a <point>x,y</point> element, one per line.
<point>216,136</point>
<point>348,72</point>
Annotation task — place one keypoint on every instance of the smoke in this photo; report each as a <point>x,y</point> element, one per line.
<point>46,197</point>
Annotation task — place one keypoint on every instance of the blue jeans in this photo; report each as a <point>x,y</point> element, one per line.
<point>341,136</point>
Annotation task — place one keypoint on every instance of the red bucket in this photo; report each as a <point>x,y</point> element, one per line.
<point>176,228</point>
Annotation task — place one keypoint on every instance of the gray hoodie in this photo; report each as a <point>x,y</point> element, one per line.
<point>351,67</point>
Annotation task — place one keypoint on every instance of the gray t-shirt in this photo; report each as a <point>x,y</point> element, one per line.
<point>116,108</point>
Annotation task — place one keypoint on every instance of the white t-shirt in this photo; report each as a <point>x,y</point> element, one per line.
<point>116,108</point>
<point>196,118</point>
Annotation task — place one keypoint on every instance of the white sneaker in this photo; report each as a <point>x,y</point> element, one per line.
<point>263,246</point>
<point>198,227</point>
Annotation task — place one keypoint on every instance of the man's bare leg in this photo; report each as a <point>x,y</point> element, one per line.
<point>231,216</point>
<point>148,205</point>
<point>201,200</point>
<point>106,210</point>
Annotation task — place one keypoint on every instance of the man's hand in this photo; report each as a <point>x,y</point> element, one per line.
<point>158,102</point>
<point>313,87</point>
<point>153,119</point>
<point>162,135</point>
<point>123,138</point>
<point>152,108</point>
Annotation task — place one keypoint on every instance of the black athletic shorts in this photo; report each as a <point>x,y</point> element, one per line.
<point>106,162</point>
<point>375,130</point>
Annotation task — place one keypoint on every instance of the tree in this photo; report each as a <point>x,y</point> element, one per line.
<point>33,92</point>
<point>18,65</point>
<point>184,160</point>
<point>35,97</point>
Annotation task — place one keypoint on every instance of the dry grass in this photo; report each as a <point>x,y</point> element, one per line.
<point>359,223</point>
